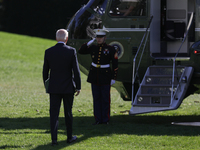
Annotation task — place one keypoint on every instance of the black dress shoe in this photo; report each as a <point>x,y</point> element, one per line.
<point>73,139</point>
<point>96,123</point>
<point>106,123</point>
<point>54,143</point>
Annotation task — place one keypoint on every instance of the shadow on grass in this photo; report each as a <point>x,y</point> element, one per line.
<point>119,124</point>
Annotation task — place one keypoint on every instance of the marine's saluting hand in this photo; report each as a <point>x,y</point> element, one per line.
<point>90,42</point>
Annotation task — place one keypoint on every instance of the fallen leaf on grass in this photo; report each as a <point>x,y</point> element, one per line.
<point>124,111</point>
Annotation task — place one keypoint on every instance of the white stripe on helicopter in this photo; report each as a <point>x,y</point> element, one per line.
<point>197,29</point>
<point>132,29</point>
<point>126,29</point>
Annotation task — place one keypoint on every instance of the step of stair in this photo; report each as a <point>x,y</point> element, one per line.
<point>156,89</point>
<point>167,70</point>
<point>153,100</point>
<point>158,79</point>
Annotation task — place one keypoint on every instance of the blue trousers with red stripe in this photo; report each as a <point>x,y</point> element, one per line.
<point>101,102</point>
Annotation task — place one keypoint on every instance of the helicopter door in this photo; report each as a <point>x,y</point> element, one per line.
<point>155,28</point>
<point>175,25</point>
<point>170,18</point>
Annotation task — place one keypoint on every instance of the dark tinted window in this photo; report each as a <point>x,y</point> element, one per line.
<point>128,8</point>
<point>87,19</point>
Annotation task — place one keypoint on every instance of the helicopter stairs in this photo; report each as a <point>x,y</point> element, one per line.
<point>155,91</point>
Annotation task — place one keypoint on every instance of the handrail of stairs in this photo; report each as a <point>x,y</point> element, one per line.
<point>173,93</point>
<point>134,60</point>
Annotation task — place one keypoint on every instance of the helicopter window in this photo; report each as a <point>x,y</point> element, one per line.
<point>99,6</point>
<point>123,8</point>
<point>87,19</point>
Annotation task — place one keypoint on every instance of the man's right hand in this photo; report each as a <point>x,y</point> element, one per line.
<point>77,92</point>
<point>90,42</point>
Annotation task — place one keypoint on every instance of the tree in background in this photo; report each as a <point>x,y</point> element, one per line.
<point>39,18</point>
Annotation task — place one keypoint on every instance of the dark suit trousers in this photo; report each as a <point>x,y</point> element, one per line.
<point>55,103</point>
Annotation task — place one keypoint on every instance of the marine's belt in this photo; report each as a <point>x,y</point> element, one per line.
<point>100,66</point>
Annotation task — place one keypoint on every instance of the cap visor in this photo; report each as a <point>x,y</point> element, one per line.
<point>100,36</point>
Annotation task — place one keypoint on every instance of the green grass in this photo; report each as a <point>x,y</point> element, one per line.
<point>24,107</point>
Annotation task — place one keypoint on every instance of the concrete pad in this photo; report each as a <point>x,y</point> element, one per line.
<point>186,123</point>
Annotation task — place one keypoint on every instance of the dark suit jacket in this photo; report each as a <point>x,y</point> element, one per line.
<point>60,62</point>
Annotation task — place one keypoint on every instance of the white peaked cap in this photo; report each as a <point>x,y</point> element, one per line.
<point>100,31</point>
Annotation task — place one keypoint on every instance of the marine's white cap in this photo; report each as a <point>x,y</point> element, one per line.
<point>100,32</point>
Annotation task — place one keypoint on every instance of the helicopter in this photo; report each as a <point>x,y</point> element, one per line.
<point>158,46</point>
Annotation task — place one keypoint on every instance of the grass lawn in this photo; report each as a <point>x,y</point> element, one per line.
<point>24,107</point>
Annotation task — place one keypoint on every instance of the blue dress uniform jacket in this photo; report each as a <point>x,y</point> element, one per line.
<point>101,54</point>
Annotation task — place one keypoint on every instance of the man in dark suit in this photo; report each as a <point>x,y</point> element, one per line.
<point>101,75</point>
<point>61,67</point>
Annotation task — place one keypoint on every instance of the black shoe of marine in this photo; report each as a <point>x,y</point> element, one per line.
<point>96,123</point>
<point>54,143</point>
<point>73,139</point>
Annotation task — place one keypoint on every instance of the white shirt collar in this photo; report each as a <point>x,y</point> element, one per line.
<point>61,42</point>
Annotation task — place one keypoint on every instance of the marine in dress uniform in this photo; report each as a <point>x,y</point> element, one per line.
<point>101,74</point>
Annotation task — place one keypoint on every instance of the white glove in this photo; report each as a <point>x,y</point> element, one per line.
<point>112,82</point>
<point>90,42</point>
